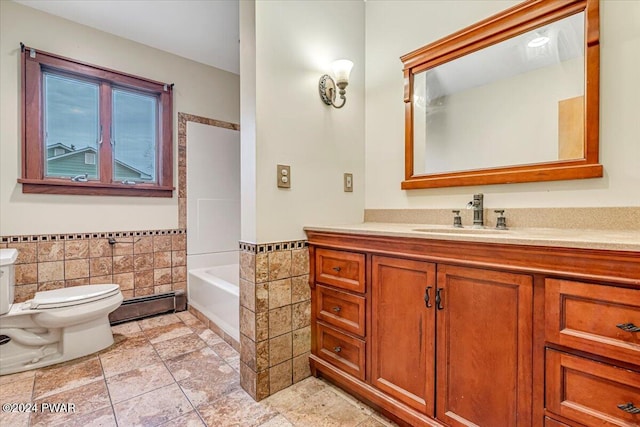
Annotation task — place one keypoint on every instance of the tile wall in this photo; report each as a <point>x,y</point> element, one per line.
<point>275,316</point>
<point>141,262</point>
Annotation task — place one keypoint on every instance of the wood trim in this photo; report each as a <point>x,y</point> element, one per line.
<point>36,186</point>
<point>33,173</point>
<point>504,176</point>
<point>620,267</point>
<point>511,22</point>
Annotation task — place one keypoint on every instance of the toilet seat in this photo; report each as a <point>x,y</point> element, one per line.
<point>75,295</point>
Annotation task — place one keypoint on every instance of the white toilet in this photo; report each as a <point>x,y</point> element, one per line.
<point>54,326</point>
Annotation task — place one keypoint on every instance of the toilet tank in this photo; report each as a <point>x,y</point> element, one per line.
<point>7,278</point>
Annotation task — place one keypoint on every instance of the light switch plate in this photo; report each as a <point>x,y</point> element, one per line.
<point>348,182</point>
<point>284,176</point>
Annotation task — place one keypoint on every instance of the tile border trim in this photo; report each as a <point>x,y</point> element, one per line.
<point>85,236</point>
<point>263,248</point>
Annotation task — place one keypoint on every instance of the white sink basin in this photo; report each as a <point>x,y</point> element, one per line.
<point>480,231</point>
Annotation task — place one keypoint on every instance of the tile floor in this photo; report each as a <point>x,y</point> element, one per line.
<point>171,370</point>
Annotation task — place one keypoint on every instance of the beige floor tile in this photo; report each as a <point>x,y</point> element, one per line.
<point>163,320</point>
<point>195,363</point>
<point>296,395</point>
<point>14,419</point>
<point>127,329</point>
<point>187,318</point>
<point>224,350</point>
<point>17,391</point>
<point>153,408</point>
<point>325,408</point>
<point>138,381</point>
<point>209,386</point>
<point>178,346</point>
<point>210,337</point>
<point>234,362</point>
<point>58,378</point>
<point>83,403</point>
<point>167,332</point>
<point>192,419</point>
<point>126,342</point>
<point>236,409</point>
<point>19,376</point>
<point>118,362</point>
<point>277,421</point>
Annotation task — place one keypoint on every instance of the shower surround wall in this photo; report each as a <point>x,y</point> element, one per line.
<point>275,315</point>
<point>142,262</point>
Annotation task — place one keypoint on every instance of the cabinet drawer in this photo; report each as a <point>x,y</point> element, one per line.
<point>343,351</point>
<point>589,392</point>
<point>340,309</point>
<point>591,318</point>
<point>550,422</point>
<point>340,268</point>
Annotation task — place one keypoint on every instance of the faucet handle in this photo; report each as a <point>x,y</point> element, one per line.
<point>457,219</point>
<point>501,223</point>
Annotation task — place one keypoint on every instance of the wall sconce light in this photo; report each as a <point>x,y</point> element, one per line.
<point>327,85</point>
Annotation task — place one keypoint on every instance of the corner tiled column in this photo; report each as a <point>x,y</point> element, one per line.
<point>275,316</point>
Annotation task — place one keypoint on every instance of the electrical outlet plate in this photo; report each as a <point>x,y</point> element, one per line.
<point>348,182</point>
<point>284,176</point>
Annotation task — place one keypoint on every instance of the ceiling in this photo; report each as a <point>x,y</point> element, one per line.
<point>205,31</point>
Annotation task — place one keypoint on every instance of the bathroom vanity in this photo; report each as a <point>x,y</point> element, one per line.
<point>460,327</point>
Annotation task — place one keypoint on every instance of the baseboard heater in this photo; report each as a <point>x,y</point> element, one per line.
<point>147,306</point>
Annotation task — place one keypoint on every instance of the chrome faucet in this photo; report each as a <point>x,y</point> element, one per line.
<point>478,210</point>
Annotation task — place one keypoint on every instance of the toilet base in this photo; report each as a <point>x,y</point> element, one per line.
<point>56,346</point>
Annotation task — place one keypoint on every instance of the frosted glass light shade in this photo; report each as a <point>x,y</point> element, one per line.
<point>341,70</point>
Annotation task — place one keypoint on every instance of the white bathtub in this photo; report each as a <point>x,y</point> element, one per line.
<point>215,293</point>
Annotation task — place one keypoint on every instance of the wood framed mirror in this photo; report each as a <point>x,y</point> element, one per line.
<point>513,98</point>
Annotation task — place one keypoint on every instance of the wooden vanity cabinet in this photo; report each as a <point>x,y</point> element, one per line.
<point>484,347</point>
<point>403,330</point>
<point>456,333</point>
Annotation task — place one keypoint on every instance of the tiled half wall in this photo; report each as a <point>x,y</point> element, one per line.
<point>275,316</point>
<point>142,262</point>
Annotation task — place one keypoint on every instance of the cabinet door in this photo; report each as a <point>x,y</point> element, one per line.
<point>402,339</point>
<point>484,344</point>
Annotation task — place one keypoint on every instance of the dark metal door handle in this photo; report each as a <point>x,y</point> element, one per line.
<point>628,327</point>
<point>629,408</point>
<point>337,269</point>
<point>337,349</point>
<point>427,298</point>
<point>336,309</point>
<point>439,305</point>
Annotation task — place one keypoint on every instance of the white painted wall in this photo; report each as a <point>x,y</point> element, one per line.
<point>394,28</point>
<point>199,89</point>
<point>295,43</point>
<point>213,189</point>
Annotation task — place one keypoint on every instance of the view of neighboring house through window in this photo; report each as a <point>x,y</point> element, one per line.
<point>134,136</point>
<point>92,130</point>
<point>71,126</point>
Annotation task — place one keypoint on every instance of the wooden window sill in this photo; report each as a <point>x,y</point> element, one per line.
<point>93,188</point>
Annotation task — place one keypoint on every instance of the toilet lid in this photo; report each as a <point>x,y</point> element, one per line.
<point>72,296</point>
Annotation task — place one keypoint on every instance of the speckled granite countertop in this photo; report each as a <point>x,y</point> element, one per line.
<point>567,238</point>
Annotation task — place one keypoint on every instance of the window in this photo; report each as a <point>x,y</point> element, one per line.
<point>90,130</point>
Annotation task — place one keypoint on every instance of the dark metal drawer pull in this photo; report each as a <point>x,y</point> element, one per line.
<point>439,299</point>
<point>337,349</point>
<point>629,408</point>
<point>336,309</point>
<point>628,327</point>
<point>337,269</point>
<point>427,298</point>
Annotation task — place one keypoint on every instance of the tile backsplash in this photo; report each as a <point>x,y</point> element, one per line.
<point>142,262</point>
